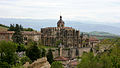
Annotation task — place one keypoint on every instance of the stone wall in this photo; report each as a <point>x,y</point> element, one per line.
<point>82,50</point>
<point>72,52</point>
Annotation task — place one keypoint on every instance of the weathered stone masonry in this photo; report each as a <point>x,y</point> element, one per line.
<point>68,36</point>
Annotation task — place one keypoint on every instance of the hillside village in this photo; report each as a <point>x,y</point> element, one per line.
<point>66,44</point>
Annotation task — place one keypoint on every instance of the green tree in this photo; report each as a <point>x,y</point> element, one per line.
<point>4,65</point>
<point>105,61</point>
<point>25,59</point>
<point>21,28</point>
<point>50,56</point>
<point>115,54</point>
<point>17,36</point>
<point>33,52</point>
<point>43,52</point>
<point>109,58</point>
<point>7,52</point>
<point>11,28</point>
<point>89,61</point>
<point>28,29</point>
<point>18,65</point>
<point>58,42</point>
<point>56,64</point>
<point>20,48</point>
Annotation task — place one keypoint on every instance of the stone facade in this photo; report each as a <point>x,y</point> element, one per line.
<point>70,53</point>
<point>6,35</point>
<point>31,35</point>
<point>68,36</point>
<point>68,56</point>
<point>27,35</point>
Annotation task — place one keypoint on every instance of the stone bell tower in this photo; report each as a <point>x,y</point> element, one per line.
<point>60,23</point>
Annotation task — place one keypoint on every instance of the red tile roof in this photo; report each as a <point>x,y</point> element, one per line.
<point>74,63</point>
<point>24,32</point>
<point>93,39</point>
<point>61,58</point>
<point>31,32</point>
<point>58,27</point>
<point>6,32</point>
<point>67,27</point>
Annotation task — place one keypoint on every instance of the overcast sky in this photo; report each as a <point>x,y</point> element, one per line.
<point>106,11</point>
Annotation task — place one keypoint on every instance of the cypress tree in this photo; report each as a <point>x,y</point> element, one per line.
<point>17,36</point>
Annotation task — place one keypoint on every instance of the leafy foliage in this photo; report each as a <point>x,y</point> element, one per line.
<point>28,29</point>
<point>16,27</point>
<point>50,56</point>
<point>43,52</point>
<point>4,65</point>
<point>109,58</point>
<point>88,61</point>
<point>57,64</point>
<point>18,65</point>
<point>20,48</point>
<point>7,53</point>
<point>25,59</point>
<point>58,42</point>
<point>33,52</point>
<point>17,36</point>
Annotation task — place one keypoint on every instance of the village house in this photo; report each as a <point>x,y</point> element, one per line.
<point>27,35</point>
<point>31,35</point>
<point>6,35</point>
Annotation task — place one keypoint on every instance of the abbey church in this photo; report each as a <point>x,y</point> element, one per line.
<point>67,36</point>
<point>53,36</point>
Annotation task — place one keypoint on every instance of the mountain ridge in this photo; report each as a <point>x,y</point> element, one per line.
<point>42,23</point>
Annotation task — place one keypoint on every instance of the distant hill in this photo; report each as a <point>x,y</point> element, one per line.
<point>98,34</point>
<point>102,35</point>
<point>79,25</point>
<point>3,27</point>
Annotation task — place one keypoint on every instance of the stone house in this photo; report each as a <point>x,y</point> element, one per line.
<point>6,35</point>
<point>63,60</point>
<point>27,35</point>
<point>31,35</point>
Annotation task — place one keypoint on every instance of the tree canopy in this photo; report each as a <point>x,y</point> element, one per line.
<point>56,64</point>
<point>28,29</point>
<point>17,36</point>
<point>7,53</point>
<point>50,56</point>
<point>109,58</point>
<point>33,52</point>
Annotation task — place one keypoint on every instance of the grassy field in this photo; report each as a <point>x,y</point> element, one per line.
<point>3,28</point>
<point>42,46</point>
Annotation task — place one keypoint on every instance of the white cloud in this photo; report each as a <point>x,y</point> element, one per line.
<point>91,10</point>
